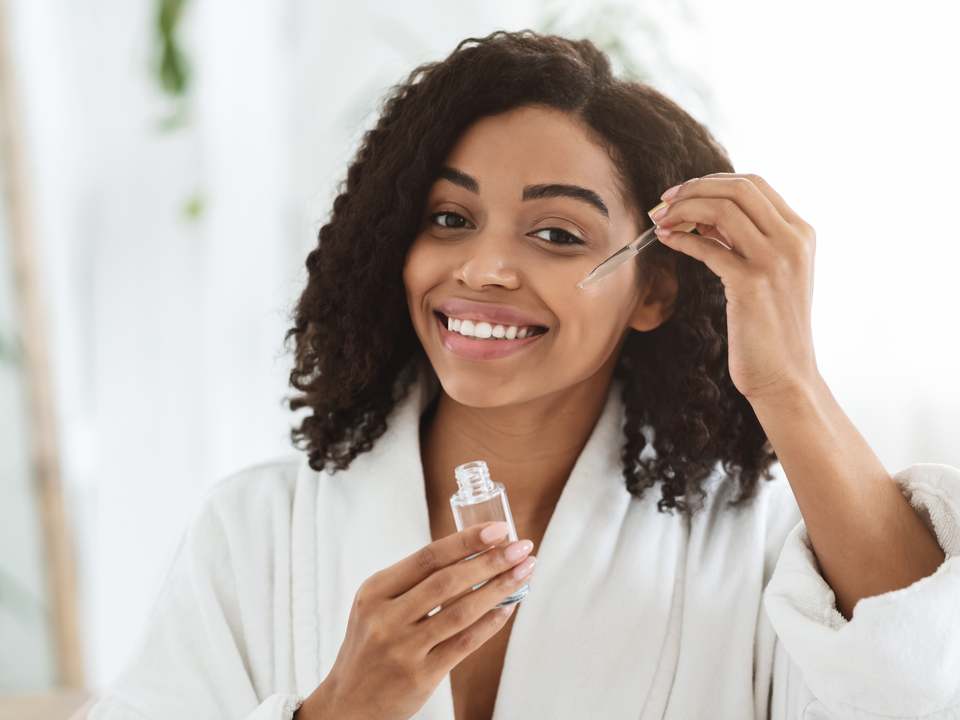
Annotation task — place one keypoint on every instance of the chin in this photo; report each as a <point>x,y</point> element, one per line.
<point>485,389</point>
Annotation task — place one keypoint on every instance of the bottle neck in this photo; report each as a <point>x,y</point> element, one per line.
<point>473,479</point>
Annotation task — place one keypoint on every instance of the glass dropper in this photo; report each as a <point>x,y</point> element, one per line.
<point>630,251</point>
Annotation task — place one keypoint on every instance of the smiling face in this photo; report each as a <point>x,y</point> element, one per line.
<point>527,204</point>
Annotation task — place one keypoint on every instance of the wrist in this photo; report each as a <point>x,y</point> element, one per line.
<point>320,704</point>
<point>802,409</point>
<point>792,393</point>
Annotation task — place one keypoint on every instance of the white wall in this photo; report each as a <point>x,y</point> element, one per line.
<point>167,331</point>
<point>850,110</point>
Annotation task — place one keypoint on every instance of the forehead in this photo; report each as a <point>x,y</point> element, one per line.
<point>534,145</point>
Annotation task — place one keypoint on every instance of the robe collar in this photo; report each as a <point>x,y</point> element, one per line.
<point>599,633</point>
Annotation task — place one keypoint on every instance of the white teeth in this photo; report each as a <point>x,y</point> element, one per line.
<point>484,331</point>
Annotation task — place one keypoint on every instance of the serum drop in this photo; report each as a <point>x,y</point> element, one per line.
<point>480,500</point>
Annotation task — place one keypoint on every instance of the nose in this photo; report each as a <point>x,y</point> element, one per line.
<point>489,261</point>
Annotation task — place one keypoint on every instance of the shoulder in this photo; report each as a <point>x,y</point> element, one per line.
<point>251,502</point>
<point>269,481</point>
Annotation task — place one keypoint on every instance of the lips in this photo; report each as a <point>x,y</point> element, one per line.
<point>478,349</point>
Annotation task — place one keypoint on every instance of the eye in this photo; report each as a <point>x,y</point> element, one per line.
<point>449,220</point>
<point>557,236</point>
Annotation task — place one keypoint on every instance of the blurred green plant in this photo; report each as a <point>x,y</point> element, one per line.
<point>619,28</point>
<point>604,26</point>
<point>172,68</point>
<point>193,208</point>
<point>637,38</point>
<point>172,73</point>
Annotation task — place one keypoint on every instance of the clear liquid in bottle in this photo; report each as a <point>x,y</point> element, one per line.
<point>480,500</point>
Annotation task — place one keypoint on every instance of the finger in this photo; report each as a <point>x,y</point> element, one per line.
<point>414,569</point>
<point>722,261</point>
<point>444,657</point>
<point>736,229</point>
<point>751,193</point>
<point>772,195</point>
<point>461,627</point>
<point>709,231</point>
<point>450,583</point>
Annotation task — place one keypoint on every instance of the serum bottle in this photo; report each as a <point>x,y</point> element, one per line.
<point>480,500</point>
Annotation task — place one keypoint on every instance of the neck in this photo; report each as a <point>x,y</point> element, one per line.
<point>530,447</point>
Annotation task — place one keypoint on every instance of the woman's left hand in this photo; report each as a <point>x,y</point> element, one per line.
<point>766,269</point>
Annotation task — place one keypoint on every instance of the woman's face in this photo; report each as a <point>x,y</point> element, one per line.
<point>525,207</point>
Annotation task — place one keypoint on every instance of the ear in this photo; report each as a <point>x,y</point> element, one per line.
<point>658,297</point>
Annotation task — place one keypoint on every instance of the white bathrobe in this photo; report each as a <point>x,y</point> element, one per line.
<point>632,613</point>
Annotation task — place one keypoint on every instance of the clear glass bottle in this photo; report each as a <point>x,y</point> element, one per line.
<point>480,500</point>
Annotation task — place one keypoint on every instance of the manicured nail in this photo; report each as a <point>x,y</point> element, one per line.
<point>492,533</point>
<point>524,568</point>
<point>662,232</point>
<point>517,550</point>
<point>671,193</point>
<point>657,214</point>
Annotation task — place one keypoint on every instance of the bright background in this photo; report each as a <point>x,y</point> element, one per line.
<point>172,250</point>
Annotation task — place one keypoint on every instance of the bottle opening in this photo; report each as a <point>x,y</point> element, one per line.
<point>473,479</point>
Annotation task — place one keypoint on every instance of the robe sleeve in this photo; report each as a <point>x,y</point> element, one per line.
<point>899,656</point>
<point>209,648</point>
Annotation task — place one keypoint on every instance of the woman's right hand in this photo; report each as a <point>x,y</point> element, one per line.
<point>395,654</point>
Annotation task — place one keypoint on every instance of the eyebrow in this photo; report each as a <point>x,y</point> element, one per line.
<point>538,192</point>
<point>459,178</point>
<point>531,192</point>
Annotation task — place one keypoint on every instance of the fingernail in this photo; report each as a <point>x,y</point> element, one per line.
<point>492,533</point>
<point>517,550</point>
<point>524,568</point>
<point>659,212</point>
<point>671,193</point>
<point>662,232</point>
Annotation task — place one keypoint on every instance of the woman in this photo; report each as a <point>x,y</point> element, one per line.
<point>634,423</point>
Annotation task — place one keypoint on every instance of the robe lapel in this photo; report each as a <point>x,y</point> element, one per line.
<point>368,518</point>
<point>589,639</point>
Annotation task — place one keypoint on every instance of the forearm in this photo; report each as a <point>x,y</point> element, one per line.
<point>867,538</point>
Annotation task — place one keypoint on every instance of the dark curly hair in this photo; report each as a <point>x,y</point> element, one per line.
<point>355,345</point>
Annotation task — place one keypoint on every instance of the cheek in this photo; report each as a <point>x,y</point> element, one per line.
<point>419,273</point>
<point>599,315</point>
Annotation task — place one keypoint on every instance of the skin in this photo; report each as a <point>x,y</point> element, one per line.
<point>530,414</point>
